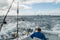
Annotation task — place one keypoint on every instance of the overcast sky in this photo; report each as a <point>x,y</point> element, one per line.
<point>31,7</point>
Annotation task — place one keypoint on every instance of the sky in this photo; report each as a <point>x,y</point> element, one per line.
<point>31,7</point>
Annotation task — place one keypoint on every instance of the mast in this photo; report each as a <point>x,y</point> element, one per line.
<point>17,18</point>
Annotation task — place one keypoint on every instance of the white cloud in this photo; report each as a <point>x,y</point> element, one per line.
<point>49,12</point>
<point>25,7</point>
<point>4,4</point>
<point>57,1</point>
<point>40,12</point>
<point>40,1</point>
<point>12,12</point>
<point>14,5</point>
<point>21,7</point>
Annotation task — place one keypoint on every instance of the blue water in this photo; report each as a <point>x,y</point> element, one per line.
<point>45,22</point>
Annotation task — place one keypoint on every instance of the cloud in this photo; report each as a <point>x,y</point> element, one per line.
<point>40,1</point>
<point>49,12</point>
<point>57,1</point>
<point>6,2</point>
<point>4,5</point>
<point>25,7</point>
<point>39,12</point>
<point>12,12</point>
<point>21,7</point>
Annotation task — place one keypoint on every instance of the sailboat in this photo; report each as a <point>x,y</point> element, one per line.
<point>4,29</point>
<point>15,34</point>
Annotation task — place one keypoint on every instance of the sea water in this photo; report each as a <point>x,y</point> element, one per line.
<point>44,22</point>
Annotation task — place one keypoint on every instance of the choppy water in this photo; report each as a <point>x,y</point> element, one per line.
<point>46,23</point>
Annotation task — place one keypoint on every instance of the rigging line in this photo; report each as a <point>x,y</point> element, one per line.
<point>6,15</point>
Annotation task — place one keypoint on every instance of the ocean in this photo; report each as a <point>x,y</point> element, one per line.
<point>49,23</point>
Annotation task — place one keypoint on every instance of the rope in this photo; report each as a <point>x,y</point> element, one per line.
<point>6,15</point>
